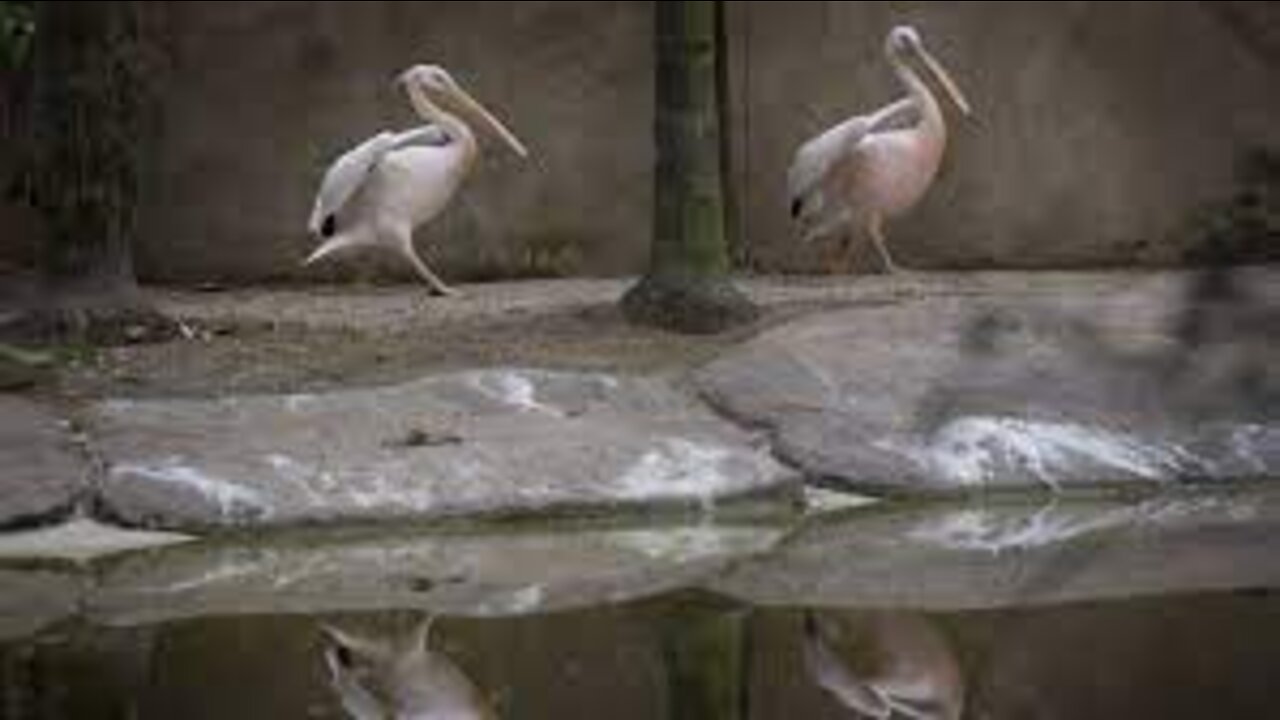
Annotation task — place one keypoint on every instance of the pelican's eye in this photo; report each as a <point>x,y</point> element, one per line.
<point>328,227</point>
<point>904,39</point>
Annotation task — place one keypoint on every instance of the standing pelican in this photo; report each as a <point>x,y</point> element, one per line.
<point>868,168</point>
<point>384,188</point>
<point>399,679</point>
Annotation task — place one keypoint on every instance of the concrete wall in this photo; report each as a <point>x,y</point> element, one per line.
<point>1102,128</point>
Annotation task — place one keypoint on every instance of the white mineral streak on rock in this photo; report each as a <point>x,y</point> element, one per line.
<point>513,388</point>
<point>227,495</point>
<point>996,530</point>
<point>678,468</point>
<point>975,450</point>
<point>518,602</point>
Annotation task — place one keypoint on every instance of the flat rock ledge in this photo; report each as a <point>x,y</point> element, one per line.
<point>488,443</point>
<point>1164,380</point>
<point>42,472</point>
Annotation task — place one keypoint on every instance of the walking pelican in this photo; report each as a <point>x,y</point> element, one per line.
<point>869,168</point>
<point>381,190</point>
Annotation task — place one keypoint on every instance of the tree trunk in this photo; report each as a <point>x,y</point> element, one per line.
<point>96,72</point>
<point>687,288</point>
<point>706,646</point>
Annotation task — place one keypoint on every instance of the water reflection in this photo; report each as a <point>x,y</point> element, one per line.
<point>884,664</point>
<point>991,554</point>
<point>399,677</point>
<point>672,657</point>
<point>1093,609</point>
<point>706,656</point>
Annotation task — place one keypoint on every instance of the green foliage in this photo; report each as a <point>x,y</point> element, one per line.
<point>17,28</point>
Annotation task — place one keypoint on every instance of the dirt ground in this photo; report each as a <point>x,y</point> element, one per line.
<point>310,339</point>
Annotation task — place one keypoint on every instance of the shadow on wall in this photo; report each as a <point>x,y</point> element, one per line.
<point>18,222</point>
<point>1246,227</point>
<point>1212,357</point>
<point>1204,350</point>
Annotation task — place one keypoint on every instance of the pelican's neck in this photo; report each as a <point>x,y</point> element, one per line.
<point>930,112</point>
<point>453,126</point>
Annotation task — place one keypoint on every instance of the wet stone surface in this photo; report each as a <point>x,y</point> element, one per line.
<point>966,556</point>
<point>471,444</point>
<point>458,574</point>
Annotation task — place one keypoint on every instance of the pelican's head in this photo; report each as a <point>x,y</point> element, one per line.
<point>428,77</point>
<point>428,83</point>
<point>904,42</point>
<point>904,39</point>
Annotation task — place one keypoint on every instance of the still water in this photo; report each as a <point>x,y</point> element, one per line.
<point>1156,609</point>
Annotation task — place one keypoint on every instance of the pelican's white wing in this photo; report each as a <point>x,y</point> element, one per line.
<point>813,162</point>
<point>349,172</point>
<point>814,159</point>
<point>427,135</point>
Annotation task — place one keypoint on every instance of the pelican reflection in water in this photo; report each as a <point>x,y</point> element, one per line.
<point>399,678</point>
<point>886,665</point>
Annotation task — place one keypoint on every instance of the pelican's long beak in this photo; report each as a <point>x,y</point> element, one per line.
<point>476,111</point>
<point>944,78</point>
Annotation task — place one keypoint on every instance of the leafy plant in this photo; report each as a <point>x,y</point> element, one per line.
<point>17,28</point>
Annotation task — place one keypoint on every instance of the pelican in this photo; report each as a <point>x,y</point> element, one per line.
<point>895,665</point>
<point>869,168</point>
<point>380,191</point>
<point>399,679</point>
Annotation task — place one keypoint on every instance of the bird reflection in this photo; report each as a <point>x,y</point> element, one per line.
<point>884,665</point>
<point>399,678</point>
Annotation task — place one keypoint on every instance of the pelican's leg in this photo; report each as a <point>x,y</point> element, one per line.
<point>875,228</point>
<point>824,230</point>
<point>405,243</point>
<point>835,260</point>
